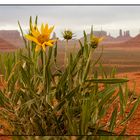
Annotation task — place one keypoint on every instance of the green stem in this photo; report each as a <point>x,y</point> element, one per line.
<point>44,67</point>
<point>29,55</point>
<point>66,55</point>
<point>41,59</point>
<point>98,58</point>
<point>87,64</point>
<point>89,58</point>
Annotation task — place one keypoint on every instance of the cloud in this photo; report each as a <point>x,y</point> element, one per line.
<point>73,17</point>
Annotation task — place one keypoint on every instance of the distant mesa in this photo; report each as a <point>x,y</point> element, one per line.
<point>6,46</point>
<point>123,36</point>
<point>133,42</point>
<point>10,39</point>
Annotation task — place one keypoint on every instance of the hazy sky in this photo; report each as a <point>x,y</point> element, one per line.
<point>76,18</point>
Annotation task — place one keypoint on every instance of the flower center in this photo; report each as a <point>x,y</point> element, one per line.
<point>42,38</point>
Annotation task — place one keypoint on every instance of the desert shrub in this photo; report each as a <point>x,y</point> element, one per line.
<point>40,98</point>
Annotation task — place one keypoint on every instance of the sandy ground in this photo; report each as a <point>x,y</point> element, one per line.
<point>134,80</point>
<point>5,138</point>
<point>133,126</point>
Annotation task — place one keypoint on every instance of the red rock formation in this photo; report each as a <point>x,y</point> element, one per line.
<point>134,42</point>
<point>6,46</point>
<point>11,36</point>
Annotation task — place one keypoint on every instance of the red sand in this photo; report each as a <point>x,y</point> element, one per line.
<point>134,78</point>
<point>133,126</point>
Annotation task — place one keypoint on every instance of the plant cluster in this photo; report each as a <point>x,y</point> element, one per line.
<point>39,98</point>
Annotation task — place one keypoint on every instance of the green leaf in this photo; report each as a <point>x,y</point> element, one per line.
<point>97,61</point>
<point>22,34</point>
<point>67,97</point>
<point>113,73</point>
<point>113,119</point>
<point>108,81</point>
<point>105,98</point>
<point>82,47</point>
<point>85,116</point>
<point>49,55</point>
<point>131,111</point>
<point>86,72</point>
<point>104,92</point>
<point>122,101</point>
<point>91,33</point>
<point>103,73</point>
<point>86,49</point>
<point>61,84</point>
<point>30,23</point>
<point>122,133</point>
<point>25,76</point>
<point>36,19</point>
<point>102,132</point>
<point>75,61</point>
<point>85,37</point>
<point>55,51</point>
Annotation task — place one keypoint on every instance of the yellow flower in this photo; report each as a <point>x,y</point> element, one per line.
<point>94,41</point>
<point>42,37</point>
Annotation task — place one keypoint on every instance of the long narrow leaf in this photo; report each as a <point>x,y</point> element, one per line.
<point>108,81</point>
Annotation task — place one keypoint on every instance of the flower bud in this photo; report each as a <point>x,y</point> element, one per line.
<point>67,34</point>
<point>94,41</point>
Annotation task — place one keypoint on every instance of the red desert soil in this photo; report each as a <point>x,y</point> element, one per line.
<point>134,77</point>
<point>133,126</point>
<point>5,138</point>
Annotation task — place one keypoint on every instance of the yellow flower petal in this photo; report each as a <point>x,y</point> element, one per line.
<point>51,29</point>
<point>42,28</point>
<point>35,32</point>
<point>38,47</point>
<point>52,41</point>
<point>44,47</point>
<point>31,38</point>
<point>48,44</point>
<point>46,28</point>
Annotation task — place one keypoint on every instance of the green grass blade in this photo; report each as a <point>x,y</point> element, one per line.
<point>135,106</point>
